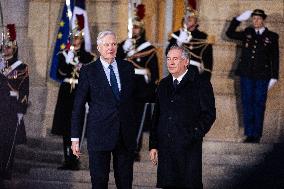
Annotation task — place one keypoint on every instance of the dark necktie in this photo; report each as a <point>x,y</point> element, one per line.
<point>113,83</point>
<point>175,83</point>
<point>258,33</point>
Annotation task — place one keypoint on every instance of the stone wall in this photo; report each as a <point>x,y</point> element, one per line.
<point>37,20</point>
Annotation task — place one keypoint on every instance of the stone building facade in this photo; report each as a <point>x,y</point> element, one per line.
<point>37,24</point>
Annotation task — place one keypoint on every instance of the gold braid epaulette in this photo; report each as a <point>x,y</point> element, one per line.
<point>142,54</point>
<point>25,75</point>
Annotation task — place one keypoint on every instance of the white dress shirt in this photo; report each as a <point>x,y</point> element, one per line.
<point>180,77</point>
<point>115,70</point>
<point>260,30</point>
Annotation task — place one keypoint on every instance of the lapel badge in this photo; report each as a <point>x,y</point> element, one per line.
<point>267,40</point>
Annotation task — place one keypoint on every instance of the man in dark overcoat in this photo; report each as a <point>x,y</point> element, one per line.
<point>184,113</point>
<point>107,85</point>
<point>70,62</point>
<point>198,43</point>
<point>258,69</point>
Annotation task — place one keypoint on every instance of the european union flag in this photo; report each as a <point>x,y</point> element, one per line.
<point>61,40</point>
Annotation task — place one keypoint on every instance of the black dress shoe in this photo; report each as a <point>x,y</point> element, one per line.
<point>249,140</point>
<point>256,139</point>
<point>252,140</point>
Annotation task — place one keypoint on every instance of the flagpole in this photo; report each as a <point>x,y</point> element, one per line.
<point>69,14</point>
<point>2,60</point>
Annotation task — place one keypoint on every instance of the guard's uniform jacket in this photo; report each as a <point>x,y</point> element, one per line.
<point>146,58</point>
<point>200,50</point>
<point>18,83</point>
<point>14,90</point>
<point>260,53</point>
<point>69,75</point>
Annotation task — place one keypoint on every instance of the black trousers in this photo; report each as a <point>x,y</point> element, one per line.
<point>123,160</point>
<point>7,155</point>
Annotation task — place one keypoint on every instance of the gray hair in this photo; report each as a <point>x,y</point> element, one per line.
<point>102,34</point>
<point>184,51</point>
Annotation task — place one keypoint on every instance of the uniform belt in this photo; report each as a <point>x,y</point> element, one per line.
<point>14,94</point>
<point>195,63</point>
<point>144,72</point>
<point>140,71</point>
<point>71,81</point>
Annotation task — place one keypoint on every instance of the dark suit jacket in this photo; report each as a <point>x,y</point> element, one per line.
<point>107,119</point>
<point>181,119</point>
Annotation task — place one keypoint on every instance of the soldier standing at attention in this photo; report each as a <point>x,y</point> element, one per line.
<point>15,80</point>
<point>70,62</point>
<point>258,69</point>
<point>143,55</point>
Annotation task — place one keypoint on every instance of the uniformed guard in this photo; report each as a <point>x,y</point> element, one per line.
<point>143,55</point>
<point>15,78</point>
<point>198,43</point>
<point>6,118</point>
<point>258,68</point>
<point>70,61</point>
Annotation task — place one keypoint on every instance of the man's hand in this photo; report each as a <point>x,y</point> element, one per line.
<point>244,16</point>
<point>271,83</point>
<point>154,156</point>
<point>75,148</point>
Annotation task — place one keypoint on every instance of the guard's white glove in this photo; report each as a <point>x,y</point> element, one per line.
<point>20,117</point>
<point>244,16</point>
<point>2,63</point>
<point>128,45</point>
<point>271,83</point>
<point>70,56</point>
<point>184,37</point>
